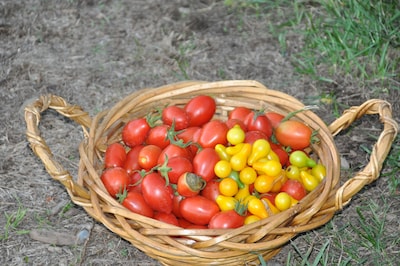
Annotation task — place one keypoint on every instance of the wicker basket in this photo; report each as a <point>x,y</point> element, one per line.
<point>173,245</point>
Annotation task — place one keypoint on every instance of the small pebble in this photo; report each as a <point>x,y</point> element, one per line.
<point>82,236</point>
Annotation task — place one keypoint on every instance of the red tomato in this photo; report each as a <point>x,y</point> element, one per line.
<point>178,166</point>
<point>252,136</point>
<point>269,196</point>
<point>283,155</point>
<point>135,182</point>
<point>213,133</point>
<point>188,225</point>
<point>115,180</point>
<point>226,220</point>
<point>198,209</point>
<point>175,205</point>
<point>168,218</point>
<point>190,184</point>
<point>204,162</point>
<point>115,155</point>
<point>293,134</point>
<point>148,156</point>
<point>158,136</point>
<point>239,113</point>
<point>254,121</point>
<point>132,162</point>
<point>200,110</point>
<point>135,202</point>
<point>177,115</point>
<point>211,190</point>
<point>135,132</point>
<point>189,134</point>
<point>233,122</point>
<point>274,118</point>
<point>157,194</point>
<point>294,188</point>
<point>172,151</point>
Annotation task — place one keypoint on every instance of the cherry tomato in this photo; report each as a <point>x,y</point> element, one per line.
<point>239,113</point>
<point>135,132</point>
<point>178,166</point>
<point>115,155</point>
<point>189,134</point>
<point>226,202</point>
<point>256,206</point>
<point>115,180</point>
<point>259,149</point>
<point>251,219</point>
<point>301,159</point>
<point>176,115</point>
<point>226,220</point>
<point>204,162</point>
<point>172,151</point>
<point>135,202</point>
<point>235,135</point>
<point>236,122</point>
<point>252,136</point>
<point>271,208</point>
<point>319,171</point>
<point>198,209</point>
<point>211,190</point>
<point>293,172</point>
<point>200,110</point>
<point>222,169</point>
<point>228,187</point>
<point>268,167</point>
<point>213,133</point>
<point>282,154</point>
<point>264,183</point>
<point>293,134</point>
<point>258,121</point>
<point>283,201</point>
<point>274,118</point>
<point>190,184</point>
<point>135,182</point>
<point>157,193</point>
<point>148,156</point>
<point>176,201</point>
<point>309,181</point>
<point>158,136</point>
<point>248,175</point>
<point>132,162</point>
<point>239,159</point>
<point>168,218</point>
<point>294,188</point>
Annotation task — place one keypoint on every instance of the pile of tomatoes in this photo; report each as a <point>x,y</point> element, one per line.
<point>182,166</point>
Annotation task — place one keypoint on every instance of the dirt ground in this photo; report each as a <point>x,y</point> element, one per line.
<point>93,53</point>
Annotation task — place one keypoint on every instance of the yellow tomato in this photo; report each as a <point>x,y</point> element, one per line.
<point>248,175</point>
<point>228,187</point>
<point>283,201</point>
<point>270,167</point>
<point>251,219</point>
<point>309,181</point>
<point>239,160</point>
<point>264,183</point>
<point>235,135</point>
<point>226,203</point>
<point>222,169</point>
<point>256,207</point>
<point>260,149</point>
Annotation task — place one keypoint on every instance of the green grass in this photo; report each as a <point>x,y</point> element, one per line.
<point>13,220</point>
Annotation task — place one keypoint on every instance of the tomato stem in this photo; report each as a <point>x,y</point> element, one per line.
<point>164,170</point>
<point>293,113</point>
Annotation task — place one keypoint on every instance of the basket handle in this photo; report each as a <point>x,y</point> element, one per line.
<point>42,150</point>
<point>379,151</point>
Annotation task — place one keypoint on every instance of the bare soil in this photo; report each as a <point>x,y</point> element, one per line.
<point>93,53</point>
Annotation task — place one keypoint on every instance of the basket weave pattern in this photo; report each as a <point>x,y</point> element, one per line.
<point>173,245</point>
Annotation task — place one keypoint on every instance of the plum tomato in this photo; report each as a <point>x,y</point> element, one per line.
<point>135,202</point>
<point>148,156</point>
<point>158,136</point>
<point>175,114</point>
<point>178,166</point>
<point>213,133</point>
<point>211,190</point>
<point>115,180</point>
<point>190,184</point>
<point>200,110</point>
<point>172,151</point>
<point>132,162</point>
<point>239,113</point>
<point>198,209</point>
<point>168,218</point>
<point>157,193</point>
<point>294,134</point>
<point>274,118</point>
<point>204,162</point>
<point>258,121</point>
<point>233,122</point>
<point>135,132</point>
<point>226,220</point>
<point>252,136</point>
<point>115,155</point>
